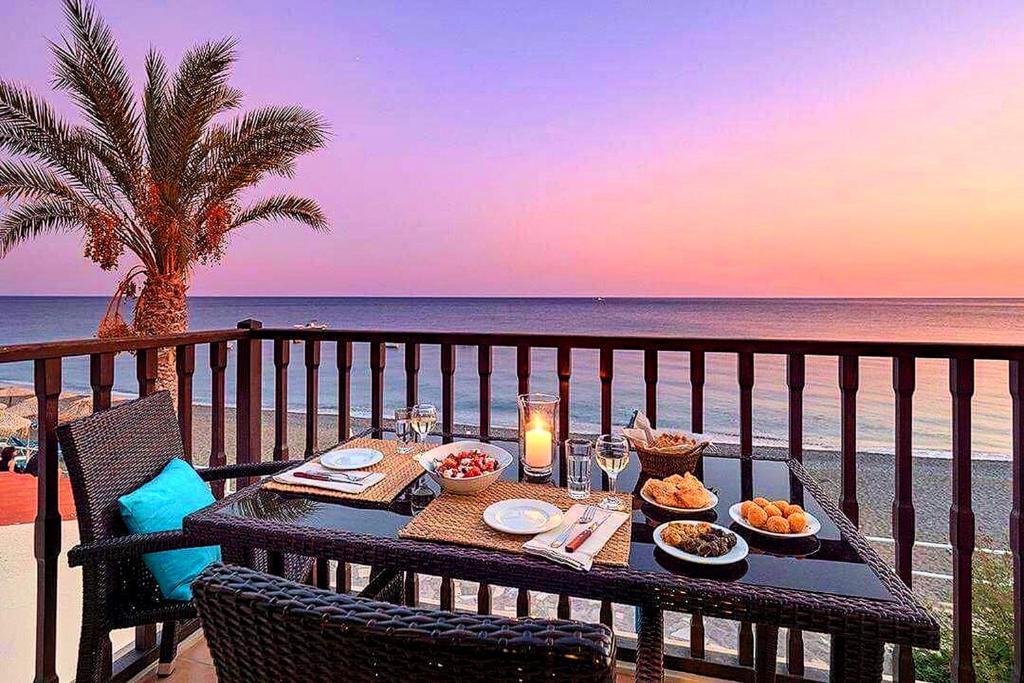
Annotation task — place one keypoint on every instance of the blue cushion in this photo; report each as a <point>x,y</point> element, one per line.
<point>160,505</point>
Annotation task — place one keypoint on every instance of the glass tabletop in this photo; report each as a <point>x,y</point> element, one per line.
<point>826,563</point>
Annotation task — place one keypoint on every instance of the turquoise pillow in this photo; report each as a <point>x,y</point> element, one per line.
<point>160,505</point>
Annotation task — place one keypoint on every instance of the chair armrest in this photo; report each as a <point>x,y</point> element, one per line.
<point>129,546</point>
<point>255,469</point>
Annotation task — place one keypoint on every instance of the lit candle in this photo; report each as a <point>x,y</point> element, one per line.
<point>538,446</point>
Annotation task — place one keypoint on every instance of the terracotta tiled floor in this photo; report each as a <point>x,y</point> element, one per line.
<point>194,665</point>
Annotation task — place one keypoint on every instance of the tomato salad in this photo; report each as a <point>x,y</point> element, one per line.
<point>466,464</point>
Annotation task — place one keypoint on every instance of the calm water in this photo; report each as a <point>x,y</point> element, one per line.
<point>38,319</point>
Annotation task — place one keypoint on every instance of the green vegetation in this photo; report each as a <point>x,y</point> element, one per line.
<point>993,626</point>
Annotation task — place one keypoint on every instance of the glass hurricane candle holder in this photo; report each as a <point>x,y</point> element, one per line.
<point>538,435</point>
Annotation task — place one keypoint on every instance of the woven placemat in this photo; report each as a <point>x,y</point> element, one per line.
<point>399,469</point>
<point>451,518</point>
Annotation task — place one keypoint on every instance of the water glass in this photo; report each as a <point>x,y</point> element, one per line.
<point>578,455</point>
<point>403,429</point>
<point>612,455</point>
<point>423,419</point>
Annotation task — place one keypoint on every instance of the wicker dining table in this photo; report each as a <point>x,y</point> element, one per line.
<point>833,583</point>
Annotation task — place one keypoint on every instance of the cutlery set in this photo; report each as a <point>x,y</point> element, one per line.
<point>587,519</point>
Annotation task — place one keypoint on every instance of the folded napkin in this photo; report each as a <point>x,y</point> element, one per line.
<point>314,467</point>
<point>583,558</point>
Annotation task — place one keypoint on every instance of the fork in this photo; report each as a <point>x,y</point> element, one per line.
<point>586,518</point>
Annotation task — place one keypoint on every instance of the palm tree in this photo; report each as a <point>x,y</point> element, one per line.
<point>162,179</point>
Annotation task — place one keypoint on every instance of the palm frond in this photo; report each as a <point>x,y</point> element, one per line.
<point>263,142</point>
<point>22,180</point>
<point>154,102</point>
<point>88,66</point>
<point>301,209</point>
<point>30,220</point>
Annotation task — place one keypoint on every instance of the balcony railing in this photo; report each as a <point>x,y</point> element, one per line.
<point>249,337</point>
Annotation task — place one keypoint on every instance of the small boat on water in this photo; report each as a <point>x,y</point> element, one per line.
<point>309,325</point>
<point>391,345</point>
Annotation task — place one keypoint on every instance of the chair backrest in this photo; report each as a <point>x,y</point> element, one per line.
<point>114,452</point>
<point>264,628</point>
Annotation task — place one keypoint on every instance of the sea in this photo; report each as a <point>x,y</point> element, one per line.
<point>37,319</point>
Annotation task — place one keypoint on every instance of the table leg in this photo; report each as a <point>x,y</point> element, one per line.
<point>766,647</point>
<point>855,659</point>
<point>275,563</point>
<point>650,642</point>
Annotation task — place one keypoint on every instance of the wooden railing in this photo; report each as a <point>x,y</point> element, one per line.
<point>249,338</point>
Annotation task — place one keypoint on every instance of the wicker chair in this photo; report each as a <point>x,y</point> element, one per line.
<point>263,628</point>
<point>109,454</point>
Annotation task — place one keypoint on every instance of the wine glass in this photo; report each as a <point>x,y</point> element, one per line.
<point>612,455</point>
<point>403,429</point>
<point>422,420</point>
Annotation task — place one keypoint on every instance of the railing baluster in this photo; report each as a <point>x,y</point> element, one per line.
<point>185,366</point>
<point>485,362</point>
<point>697,391</point>
<point>651,385</point>
<point>849,372</point>
<point>523,353</point>
<point>249,400</point>
<point>343,578</point>
<point>447,427</point>
<point>312,348</point>
<point>564,363</point>
<point>412,374</point>
<point>282,356</point>
<point>1017,515</point>
<point>961,516</point>
<point>218,365</point>
<point>606,373</point>
<point>795,374</point>
<point>101,377</point>
<point>378,359</point>
<point>145,372</point>
<point>447,392</point>
<point>344,390</point>
<point>47,521</point>
<point>745,375</point>
<point>903,516</point>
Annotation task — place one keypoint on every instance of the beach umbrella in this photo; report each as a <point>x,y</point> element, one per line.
<point>13,425</point>
<point>80,407</point>
<point>24,409</point>
<point>15,392</point>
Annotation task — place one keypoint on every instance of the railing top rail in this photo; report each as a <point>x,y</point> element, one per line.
<point>811,347</point>
<point>83,347</point>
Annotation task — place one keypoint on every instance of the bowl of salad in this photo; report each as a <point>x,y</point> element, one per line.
<point>465,467</point>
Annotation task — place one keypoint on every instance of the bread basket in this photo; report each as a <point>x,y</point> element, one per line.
<point>665,460</point>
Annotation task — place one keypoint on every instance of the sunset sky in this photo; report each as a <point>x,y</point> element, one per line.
<point>662,149</point>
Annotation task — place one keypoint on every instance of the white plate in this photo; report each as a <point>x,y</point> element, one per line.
<point>522,516</point>
<point>738,552</point>
<point>813,525</point>
<point>668,508</point>
<point>350,458</point>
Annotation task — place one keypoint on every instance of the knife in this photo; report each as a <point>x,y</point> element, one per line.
<point>582,536</point>
<point>337,478</point>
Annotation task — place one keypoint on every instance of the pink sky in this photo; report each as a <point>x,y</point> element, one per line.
<point>670,152</point>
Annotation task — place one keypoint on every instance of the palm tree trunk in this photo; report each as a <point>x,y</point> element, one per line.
<point>162,308</point>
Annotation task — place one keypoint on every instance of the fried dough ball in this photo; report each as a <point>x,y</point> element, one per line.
<point>672,536</point>
<point>757,516</point>
<point>761,502</point>
<point>777,524</point>
<point>794,509</point>
<point>783,506</point>
<point>745,508</point>
<point>772,511</point>
<point>797,522</point>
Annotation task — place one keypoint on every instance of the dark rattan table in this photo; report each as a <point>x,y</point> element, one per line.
<point>834,583</point>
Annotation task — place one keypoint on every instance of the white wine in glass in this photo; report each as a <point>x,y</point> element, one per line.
<point>612,455</point>
<point>422,420</point>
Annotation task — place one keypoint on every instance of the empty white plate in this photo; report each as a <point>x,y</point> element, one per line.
<point>522,516</point>
<point>350,458</point>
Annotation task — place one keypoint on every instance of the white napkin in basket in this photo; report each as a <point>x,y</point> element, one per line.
<point>583,558</point>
